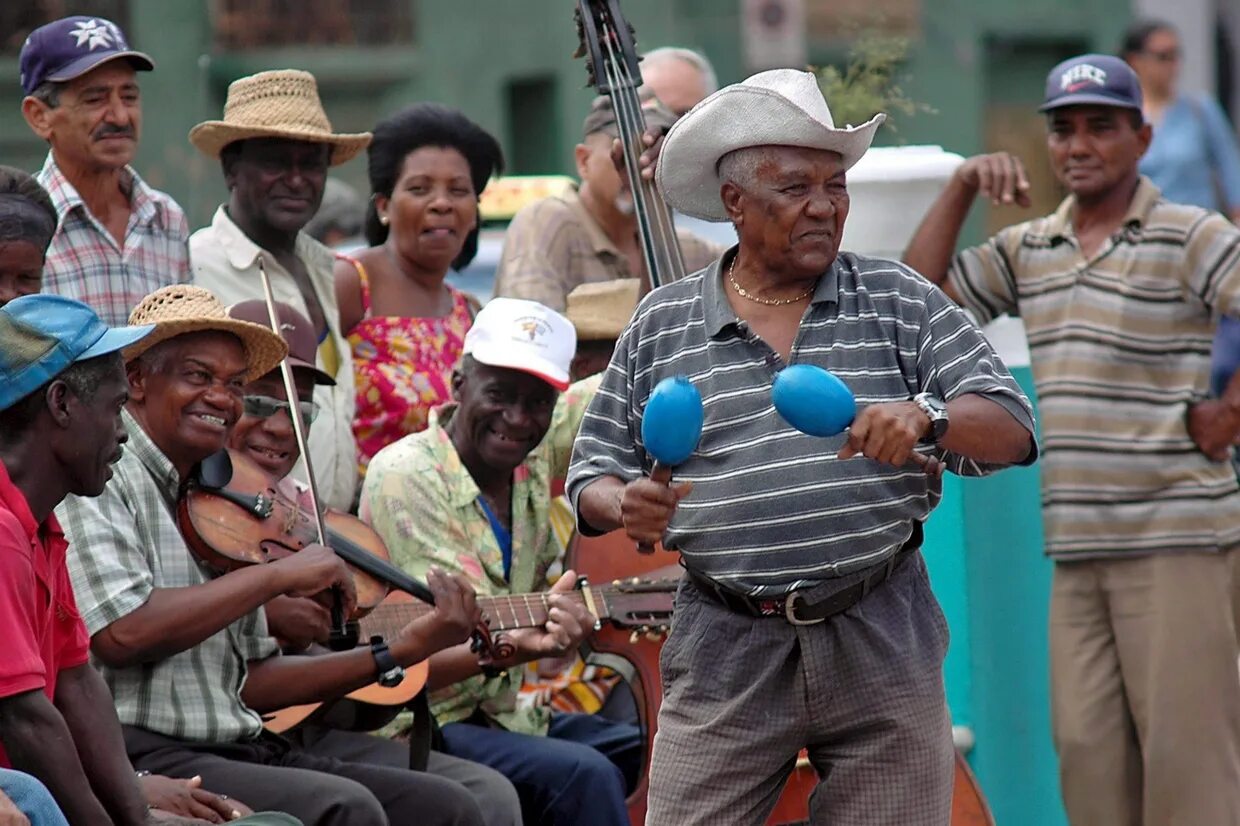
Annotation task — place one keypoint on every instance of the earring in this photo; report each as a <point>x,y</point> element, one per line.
<point>383,219</point>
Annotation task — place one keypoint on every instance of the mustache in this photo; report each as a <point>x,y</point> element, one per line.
<point>107,130</point>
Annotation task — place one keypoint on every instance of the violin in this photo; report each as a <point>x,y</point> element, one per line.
<point>613,69</point>
<point>232,515</point>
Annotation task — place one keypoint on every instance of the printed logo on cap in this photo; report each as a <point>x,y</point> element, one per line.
<point>1082,75</point>
<point>94,34</point>
<point>534,327</point>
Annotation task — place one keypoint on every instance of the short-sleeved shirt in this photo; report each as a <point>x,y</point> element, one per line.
<point>554,245</point>
<point>43,633</point>
<point>226,263</point>
<point>125,544</point>
<point>423,503</point>
<point>773,510</point>
<point>85,262</point>
<point>1120,347</point>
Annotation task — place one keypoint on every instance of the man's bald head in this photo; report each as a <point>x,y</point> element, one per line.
<point>679,78</point>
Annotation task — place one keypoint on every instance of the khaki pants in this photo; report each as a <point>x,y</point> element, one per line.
<point>1145,692</point>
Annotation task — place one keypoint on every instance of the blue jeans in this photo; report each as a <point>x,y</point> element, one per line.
<point>586,763</point>
<point>31,798</point>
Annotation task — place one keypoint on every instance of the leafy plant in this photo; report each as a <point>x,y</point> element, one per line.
<point>869,82</point>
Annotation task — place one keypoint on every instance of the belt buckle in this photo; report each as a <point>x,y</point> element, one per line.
<point>790,613</point>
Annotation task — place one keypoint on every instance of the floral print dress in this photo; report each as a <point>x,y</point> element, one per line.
<point>403,369</point>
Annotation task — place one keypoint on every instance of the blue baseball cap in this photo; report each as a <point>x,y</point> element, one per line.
<point>41,335</point>
<point>72,46</point>
<point>1092,79</point>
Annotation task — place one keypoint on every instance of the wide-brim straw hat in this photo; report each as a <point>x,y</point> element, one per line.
<point>184,308</point>
<point>782,107</point>
<point>601,310</point>
<point>279,104</point>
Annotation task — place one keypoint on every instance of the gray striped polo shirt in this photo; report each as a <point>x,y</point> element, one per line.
<point>772,509</point>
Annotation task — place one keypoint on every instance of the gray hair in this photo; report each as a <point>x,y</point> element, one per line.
<point>740,166</point>
<point>710,80</point>
<point>48,92</point>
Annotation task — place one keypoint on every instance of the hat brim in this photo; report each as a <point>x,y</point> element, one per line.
<point>213,135</point>
<point>320,376</point>
<point>141,62</point>
<point>264,349</point>
<point>496,355</point>
<point>116,338</point>
<point>1087,99</point>
<point>738,118</point>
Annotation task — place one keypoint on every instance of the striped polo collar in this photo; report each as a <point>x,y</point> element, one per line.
<point>719,316</point>
<point>1059,222</point>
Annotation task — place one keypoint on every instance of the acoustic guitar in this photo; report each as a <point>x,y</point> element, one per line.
<point>638,604</point>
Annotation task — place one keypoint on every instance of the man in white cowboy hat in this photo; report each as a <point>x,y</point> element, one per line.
<point>275,145</point>
<point>806,619</point>
<point>118,238</point>
<point>589,234</point>
<point>186,652</point>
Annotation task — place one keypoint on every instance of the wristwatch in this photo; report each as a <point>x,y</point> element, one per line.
<point>390,673</point>
<point>936,411</point>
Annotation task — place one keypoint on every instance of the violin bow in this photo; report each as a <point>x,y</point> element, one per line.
<point>340,634</point>
<point>607,38</point>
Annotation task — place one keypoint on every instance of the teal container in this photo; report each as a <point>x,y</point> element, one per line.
<point>985,555</point>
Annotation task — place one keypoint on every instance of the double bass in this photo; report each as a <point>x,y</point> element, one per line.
<point>607,39</point>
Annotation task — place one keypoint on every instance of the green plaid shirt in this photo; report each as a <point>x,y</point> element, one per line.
<point>123,545</point>
<point>421,500</point>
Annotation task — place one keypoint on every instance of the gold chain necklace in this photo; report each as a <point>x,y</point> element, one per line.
<point>770,302</point>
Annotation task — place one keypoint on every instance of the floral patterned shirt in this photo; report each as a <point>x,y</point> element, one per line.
<point>422,501</point>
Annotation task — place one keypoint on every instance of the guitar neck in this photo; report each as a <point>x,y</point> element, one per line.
<point>503,613</point>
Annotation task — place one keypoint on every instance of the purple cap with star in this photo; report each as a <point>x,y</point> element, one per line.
<point>72,46</point>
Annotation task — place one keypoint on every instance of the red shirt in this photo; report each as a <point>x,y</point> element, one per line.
<point>42,630</point>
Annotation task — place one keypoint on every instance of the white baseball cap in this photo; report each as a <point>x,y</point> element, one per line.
<point>523,335</point>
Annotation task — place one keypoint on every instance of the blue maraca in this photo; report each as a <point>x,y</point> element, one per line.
<point>671,428</point>
<point>816,402</point>
<point>813,400</point>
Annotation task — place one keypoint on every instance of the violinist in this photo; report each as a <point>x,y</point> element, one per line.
<point>590,233</point>
<point>265,434</point>
<point>187,653</point>
<point>472,493</point>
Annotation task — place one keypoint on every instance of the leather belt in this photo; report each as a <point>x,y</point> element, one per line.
<point>808,607</point>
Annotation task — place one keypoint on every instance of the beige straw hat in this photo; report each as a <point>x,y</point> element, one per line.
<point>184,308</point>
<point>602,309</point>
<point>280,104</point>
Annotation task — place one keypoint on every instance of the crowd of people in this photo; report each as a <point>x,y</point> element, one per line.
<point>141,362</point>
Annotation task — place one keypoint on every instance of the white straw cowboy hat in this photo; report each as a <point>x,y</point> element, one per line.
<point>280,104</point>
<point>600,310</point>
<point>184,308</point>
<point>782,107</point>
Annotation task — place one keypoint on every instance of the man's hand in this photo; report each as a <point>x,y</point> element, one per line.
<point>297,622</point>
<point>1000,176</point>
<point>647,507</point>
<point>312,570</point>
<point>187,798</point>
<point>887,433</point>
<point>10,815</point>
<point>453,619</point>
<point>1213,425</point>
<point>568,623</point>
<point>652,139</point>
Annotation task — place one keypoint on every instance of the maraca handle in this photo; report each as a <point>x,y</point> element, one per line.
<point>662,474</point>
<point>930,465</point>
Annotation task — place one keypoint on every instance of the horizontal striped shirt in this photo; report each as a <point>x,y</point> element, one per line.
<point>1119,346</point>
<point>85,262</point>
<point>772,509</point>
<point>122,546</point>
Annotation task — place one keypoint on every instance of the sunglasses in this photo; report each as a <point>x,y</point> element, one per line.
<point>264,407</point>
